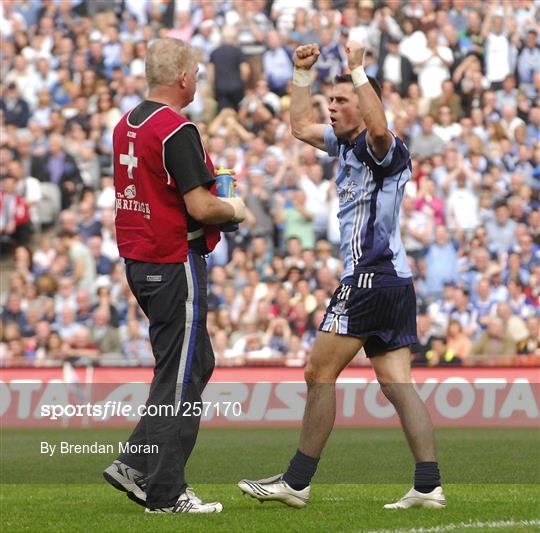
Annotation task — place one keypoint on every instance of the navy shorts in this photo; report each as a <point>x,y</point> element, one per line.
<point>385,316</point>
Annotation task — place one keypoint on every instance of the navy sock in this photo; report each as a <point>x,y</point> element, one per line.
<point>301,469</point>
<point>427,476</point>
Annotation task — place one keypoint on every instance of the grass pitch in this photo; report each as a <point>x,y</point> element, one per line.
<point>491,480</point>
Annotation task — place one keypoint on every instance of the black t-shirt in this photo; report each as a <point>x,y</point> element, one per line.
<point>227,60</point>
<point>184,160</point>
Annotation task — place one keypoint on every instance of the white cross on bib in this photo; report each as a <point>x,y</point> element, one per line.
<point>129,159</point>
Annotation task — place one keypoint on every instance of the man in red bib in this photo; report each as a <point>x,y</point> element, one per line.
<point>167,219</point>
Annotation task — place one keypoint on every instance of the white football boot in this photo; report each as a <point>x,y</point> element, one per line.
<point>432,500</point>
<point>189,502</point>
<point>275,489</point>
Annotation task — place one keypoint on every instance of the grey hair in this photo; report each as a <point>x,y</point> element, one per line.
<point>166,60</point>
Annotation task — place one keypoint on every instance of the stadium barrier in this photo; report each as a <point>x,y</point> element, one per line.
<point>114,397</point>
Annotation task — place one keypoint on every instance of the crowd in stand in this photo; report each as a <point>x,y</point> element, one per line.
<point>460,81</point>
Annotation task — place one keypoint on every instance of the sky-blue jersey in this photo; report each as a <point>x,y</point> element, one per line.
<point>370,193</point>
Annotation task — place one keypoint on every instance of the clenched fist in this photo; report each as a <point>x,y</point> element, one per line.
<point>355,54</point>
<point>306,56</point>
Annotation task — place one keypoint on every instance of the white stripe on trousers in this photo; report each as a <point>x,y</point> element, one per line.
<point>187,333</point>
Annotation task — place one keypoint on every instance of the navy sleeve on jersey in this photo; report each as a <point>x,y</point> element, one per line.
<point>184,159</point>
<point>399,162</point>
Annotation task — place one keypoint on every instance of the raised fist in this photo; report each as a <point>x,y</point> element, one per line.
<point>306,56</point>
<point>355,54</point>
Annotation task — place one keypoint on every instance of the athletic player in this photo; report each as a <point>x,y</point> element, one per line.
<point>167,219</point>
<point>374,307</point>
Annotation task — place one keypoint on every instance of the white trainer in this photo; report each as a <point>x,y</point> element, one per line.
<point>123,477</point>
<point>275,489</point>
<point>432,500</point>
<point>189,502</point>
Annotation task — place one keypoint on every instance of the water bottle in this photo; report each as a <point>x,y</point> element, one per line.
<point>225,189</point>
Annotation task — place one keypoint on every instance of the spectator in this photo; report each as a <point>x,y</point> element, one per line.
<point>296,354</point>
<point>15,222</point>
<point>80,346</point>
<point>497,51</point>
<point>15,108</point>
<point>396,67</point>
<point>440,354</point>
<point>483,301</point>
<point>433,66</point>
<point>428,142</point>
<point>22,76</point>
<point>277,336</point>
<point>520,303</point>
<point>228,71</point>
<point>83,307</point>
<point>331,60</point>
<point>262,257</point>
<point>448,98</point>
<point>303,32</point>
<point>66,324</point>
<point>528,63</point>
<point>58,167</point>
<point>494,341</point>
<point>104,299</point>
<point>429,202</point>
<point>81,260</point>
<point>224,355</point>
<point>529,252</point>
<point>297,219</point>
<point>130,96</point>
<point>508,93</point>
<point>206,39</point>
<point>137,346</point>
<point>447,128</point>
<point>259,203</point>
<point>417,228</point>
<point>457,341</point>
<point>29,188</point>
<point>61,88</point>
<point>424,334</point>
<point>277,64</point>
<point>13,312</point>
<point>531,344</point>
<point>55,350</point>
<point>252,28</point>
<point>514,271</point>
<point>102,333</point>
<point>464,312</point>
<point>317,194</point>
<point>89,225</point>
<point>501,229</point>
<point>441,261</point>
<point>515,326</point>
<point>104,265</point>
<point>463,213</point>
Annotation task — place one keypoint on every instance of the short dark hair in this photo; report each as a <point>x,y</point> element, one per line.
<point>347,78</point>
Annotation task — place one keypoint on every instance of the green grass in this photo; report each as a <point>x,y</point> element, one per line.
<point>98,508</point>
<point>490,475</point>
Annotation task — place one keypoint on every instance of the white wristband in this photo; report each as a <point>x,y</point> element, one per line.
<point>301,77</point>
<point>358,76</point>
